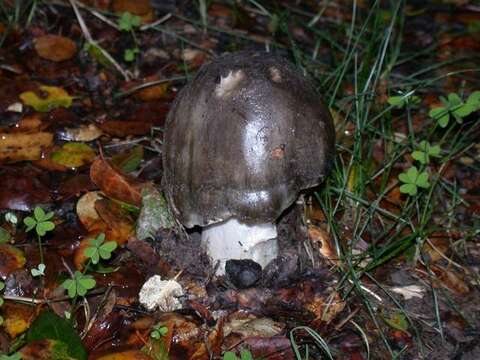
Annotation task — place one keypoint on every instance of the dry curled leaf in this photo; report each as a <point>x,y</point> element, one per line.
<point>55,48</point>
<point>323,242</point>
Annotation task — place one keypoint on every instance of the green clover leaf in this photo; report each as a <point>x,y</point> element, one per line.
<point>130,54</point>
<point>425,151</point>
<point>127,21</point>
<point>455,106</point>
<point>40,221</point>
<point>440,114</point>
<point>412,180</point>
<point>79,284</point>
<point>39,271</point>
<point>99,249</point>
<point>401,100</point>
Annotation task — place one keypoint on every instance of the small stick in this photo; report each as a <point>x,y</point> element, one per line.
<point>86,33</point>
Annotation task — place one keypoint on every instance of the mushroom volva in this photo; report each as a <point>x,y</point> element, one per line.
<point>242,139</point>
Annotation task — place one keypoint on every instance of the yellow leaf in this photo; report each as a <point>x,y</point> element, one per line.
<point>18,318</point>
<point>73,155</point>
<point>21,146</point>
<point>56,97</point>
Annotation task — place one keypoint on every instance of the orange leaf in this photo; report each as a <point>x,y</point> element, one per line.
<point>55,48</point>
<point>114,183</point>
<point>323,242</point>
<point>11,259</point>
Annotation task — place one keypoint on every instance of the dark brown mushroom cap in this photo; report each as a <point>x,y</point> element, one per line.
<point>242,139</point>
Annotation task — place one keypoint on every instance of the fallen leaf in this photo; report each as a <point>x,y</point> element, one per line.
<point>122,128</point>
<point>129,160</point>
<point>451,279</point>
<point>154,215</point>
<point>141,8</point>
<point>152,93</point>
<point>85,133</point>
<point>248,325</point>
<point>46,349</point>
<point>17,318</point>
<point>75,186</point>
<point>73,155</point>
<point>436,247</point>
<point>323,242</point>
<point>48,325</point>
<point>55,97</point>
<point>29,124</point>
<point>115,184</point>
<point>11,259</point>
<point>22,189</point>
<point>126,355</point>
<point>55,48</point>
<point>120,225</point>
<point>23,146</point>
<point>397,321</point>
<point>86,212</point>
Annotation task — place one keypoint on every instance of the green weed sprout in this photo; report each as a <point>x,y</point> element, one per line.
<point>128,23</point>
<point>40,221</point>
<point>158,331</point>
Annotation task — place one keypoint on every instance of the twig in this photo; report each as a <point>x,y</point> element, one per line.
<point>155,23</point>
<point>146,85</point>
<point>86,33</point>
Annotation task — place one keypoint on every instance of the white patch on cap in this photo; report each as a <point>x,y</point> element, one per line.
<point>229,83</point>
<point>275,75</point>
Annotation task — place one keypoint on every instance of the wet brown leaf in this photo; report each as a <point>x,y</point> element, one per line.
<point>122,128</point>
<point>22,188</point>
<point>55,48</point>
<point>115,184</point>
<point>11,259</point>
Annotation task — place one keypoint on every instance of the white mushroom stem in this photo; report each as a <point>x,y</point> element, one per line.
<point>233,240</point>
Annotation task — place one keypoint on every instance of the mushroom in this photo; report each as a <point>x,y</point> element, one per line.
<point>242,139</point>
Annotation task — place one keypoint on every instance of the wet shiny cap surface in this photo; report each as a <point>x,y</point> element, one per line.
<point>242,139</point>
